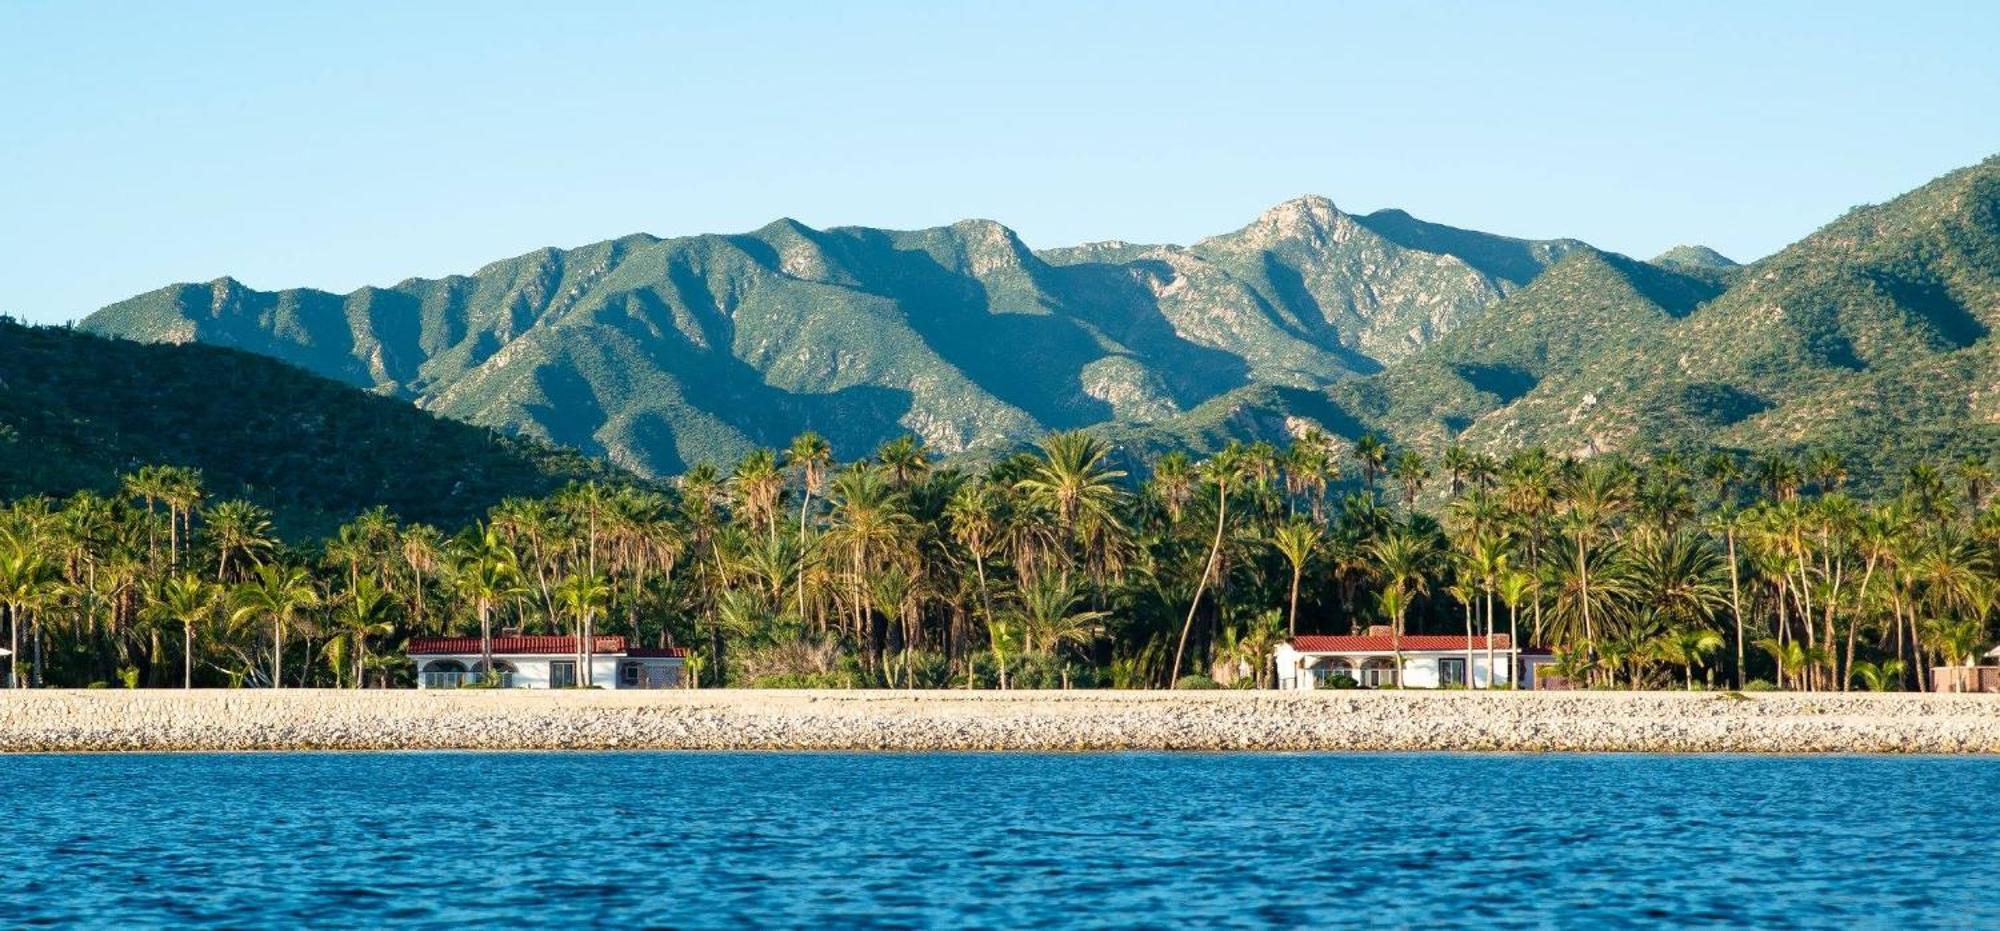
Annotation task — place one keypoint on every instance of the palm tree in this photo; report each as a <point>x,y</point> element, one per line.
<point>1458,463</point>
<point>1879,678</point>
<point>869,526</point>
<point>149,484</point>
<point>1371,454</point>
<point>811,454</point>
<point>1827,470</point>
<point>487,573</point>
<point>363,612</point>
<point>1514,587</point>
<point>1048,617</point>
<point>1224,470</point>
<point>759,490</point>
<point>1411,470</point>
<point>190,601</point>
<point>181,492</point>
<point>1003,638</point>
<point>1594,498</point>
<point>1295,540</point>
<point>1686,647</point>
<point>1975,475</point>
<point>24,575</point>
<point>238,529</point>
<point>277,594</point>
<point>904,461</point>
<point>1173,483</point>
<point>1721,470</point>
<point>974,513</point>
<point>1958,641</point>
<point>1073,481</point>
<point>1487,559</point>
<point>1404,559</point>
<point>1729,521</point>
<point>583,596</point>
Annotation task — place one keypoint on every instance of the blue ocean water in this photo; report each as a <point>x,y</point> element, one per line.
<point>958,840</point>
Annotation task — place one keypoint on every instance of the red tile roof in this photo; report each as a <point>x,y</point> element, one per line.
<point>553,646</point>
<point>1412,643</point>
<point>657,652</point>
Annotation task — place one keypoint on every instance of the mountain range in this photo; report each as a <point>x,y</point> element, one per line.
<point>78,412</point>
<point>1873,334</point>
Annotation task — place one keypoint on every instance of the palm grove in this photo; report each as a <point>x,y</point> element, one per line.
<point>1048,569</point>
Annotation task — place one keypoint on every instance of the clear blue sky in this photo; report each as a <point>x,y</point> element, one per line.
<point>323,145</point>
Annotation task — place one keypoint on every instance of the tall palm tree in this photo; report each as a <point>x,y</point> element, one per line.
<point>1514,587</point>
<point>1403,559</point>
<point>811,454</point>
<point>1173,483</point>
<point>974,513</point>
<point>1411,470</point>
<point>487,572</point>
<point>1729,521</point>
<point>1295,540</point>
<point>1371,454</point>
<point>190,601</point>
<point>1486,558</point>
<point>758,488</point>
<point>238,530</point>
<point>362,612</point>
<point>1225,470</point>
<point>1594,498</point>
<point>1073,481</point>
<point>870,526</point>
<point>904,461</point>
<point>584,596</point>
<point>275,593</point>
<point>1458,464</point>
<point>24,577</point>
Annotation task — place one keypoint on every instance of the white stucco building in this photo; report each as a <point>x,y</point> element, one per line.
<point>1429,661</point>
<point>524,662</point>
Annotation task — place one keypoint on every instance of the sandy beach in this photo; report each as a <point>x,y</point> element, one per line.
<point>103,720</point>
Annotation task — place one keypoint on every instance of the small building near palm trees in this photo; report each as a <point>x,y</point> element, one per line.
<point>1429,661</point>
<point>1968,678</point>
<point>545,662</point>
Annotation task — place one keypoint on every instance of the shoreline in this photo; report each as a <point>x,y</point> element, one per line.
<point>218,720</point>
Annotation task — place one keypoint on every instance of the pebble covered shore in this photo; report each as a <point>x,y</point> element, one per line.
<point>166,720</point>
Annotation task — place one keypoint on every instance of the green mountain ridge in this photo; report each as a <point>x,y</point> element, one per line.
<point>79,411</point>
<point>1872,336</point>
<point>657,353</point>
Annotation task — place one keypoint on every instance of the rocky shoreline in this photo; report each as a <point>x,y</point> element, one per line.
<point>1673,722</point>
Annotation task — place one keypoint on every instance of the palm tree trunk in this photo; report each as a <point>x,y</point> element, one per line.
<point>1293,626</point>
<point>1583,579</point>
<point>1513,644</point>
<point>485,639</point>
<point>805,502</point>
<point>1492,679</point>
<point>277,652</point>
<point>1735,603</point>
<point>1221,512</point>
<point>187,656</point>
<point>1468,646</point>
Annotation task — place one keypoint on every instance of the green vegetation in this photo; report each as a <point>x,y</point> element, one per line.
<point>79,411</point>
<point>659,354</point>
<point>1871,337</point>
<point>1049,569</point>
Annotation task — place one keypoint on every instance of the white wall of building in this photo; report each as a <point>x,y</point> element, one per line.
<point>1304,671</point>
<point>533,672</point>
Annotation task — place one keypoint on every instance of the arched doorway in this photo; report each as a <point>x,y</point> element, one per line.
<point>443,674</point>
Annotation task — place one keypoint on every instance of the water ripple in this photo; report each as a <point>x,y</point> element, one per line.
<point>906,840</point>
